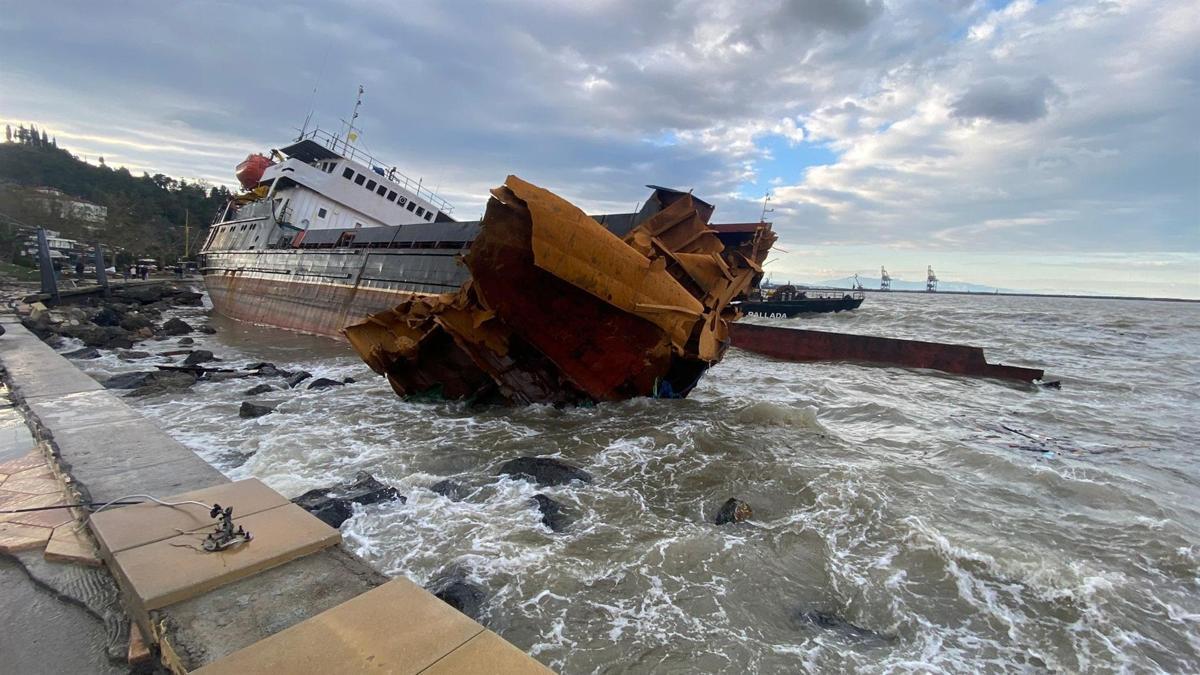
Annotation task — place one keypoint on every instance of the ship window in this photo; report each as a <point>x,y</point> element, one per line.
<point>348,173</point>
<point>330,166</point>
<point>412,205</point>
<point>359,179</point>
<point>381,191</point>
<point>420,210</point>
<point>391,195</point>
<point>321,213</point>
<point>429,215</point>
<point>370,185</point>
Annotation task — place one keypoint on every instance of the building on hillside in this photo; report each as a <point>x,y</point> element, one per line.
<point>61,248</point>
<point>73,208</point>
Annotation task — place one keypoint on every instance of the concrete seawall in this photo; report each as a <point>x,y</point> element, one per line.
<point>107,450</point>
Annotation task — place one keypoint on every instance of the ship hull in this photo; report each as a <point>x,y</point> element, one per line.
<point>322,291</point>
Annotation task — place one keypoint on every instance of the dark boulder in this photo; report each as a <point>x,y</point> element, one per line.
<point>140,294</point>
<point>136,321</point>
<point>258,389</point>
<point>186,341</point>
<point>324,383</point>
<point>733,511</point>
<point>297,378</point>
<point>332,512</point>
<point>119,342</point>
<point>544,470</point>
<point>448,489</point>
<point>133,356</point>
<point>251,410</point>
<point>206,329</point>
<point>199,356</point>
<point>53,341</point>
<point>188,299</point>
<point>85,353</point>
<point>176,326</point>
<point>453,589</point>
<point>267,369</point>
<point>348,380</point>
<point>333,503</point>
<point>552,513</point>
<point>107,317</point>
<point>147,383</point>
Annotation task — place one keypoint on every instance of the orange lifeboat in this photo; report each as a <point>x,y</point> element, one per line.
<point>250,171</point>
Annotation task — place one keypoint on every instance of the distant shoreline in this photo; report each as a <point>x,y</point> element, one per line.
<point>1029,295</point>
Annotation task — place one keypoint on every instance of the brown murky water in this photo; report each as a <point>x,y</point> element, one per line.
<point>904,521</point>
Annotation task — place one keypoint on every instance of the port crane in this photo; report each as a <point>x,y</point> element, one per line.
<point>931,281</point>
<point>885,280</point>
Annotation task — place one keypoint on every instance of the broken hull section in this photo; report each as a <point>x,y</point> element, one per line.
<point>560,310</point>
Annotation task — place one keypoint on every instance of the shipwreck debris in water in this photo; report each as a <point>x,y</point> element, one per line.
<point>560,310</point>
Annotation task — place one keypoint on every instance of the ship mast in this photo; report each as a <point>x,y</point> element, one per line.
<point>765,210</point>
<point>350,135</point>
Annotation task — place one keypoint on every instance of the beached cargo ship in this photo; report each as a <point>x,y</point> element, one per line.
<point>325,235</point>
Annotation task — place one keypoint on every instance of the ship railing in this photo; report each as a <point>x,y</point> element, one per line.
<point>343,147</point>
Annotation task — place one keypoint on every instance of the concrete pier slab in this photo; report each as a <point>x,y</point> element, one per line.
<point>169,571</point>
<point>124,528</point>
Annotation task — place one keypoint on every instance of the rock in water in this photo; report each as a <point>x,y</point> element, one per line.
<point>133,356</point>
<point>324,383</point>
<point>448,489</point>
<point>85,353</point>
<point>207,330</point>
<point>135,321</point>
<point>332,512</point>
<point>251,410</point>
<point>837,624</point>
<point>332,505</point>
<point>297,378</point>
<point>544,470</point>
<point>552,515</point>
<point>453,589</point>
<point>163,382</point>
<point>199,356</point>
<point>258,389</point>
<point>107,317</point>
<point>166,378</point>
<point>733,510</point>
<point>176,326</point>
<point>186,341</point>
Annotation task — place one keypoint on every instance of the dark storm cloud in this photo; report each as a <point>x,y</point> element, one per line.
<point>1003,99</point>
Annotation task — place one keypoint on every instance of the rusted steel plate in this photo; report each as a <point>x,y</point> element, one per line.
<point>560,310</point>
<point>794,344</point>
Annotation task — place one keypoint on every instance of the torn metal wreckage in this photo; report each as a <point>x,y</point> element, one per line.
<point>559,310</point>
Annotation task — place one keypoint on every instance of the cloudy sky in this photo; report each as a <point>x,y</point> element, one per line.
<point>1033,145</point>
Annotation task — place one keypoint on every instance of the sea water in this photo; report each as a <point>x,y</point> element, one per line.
<point>903,520</point>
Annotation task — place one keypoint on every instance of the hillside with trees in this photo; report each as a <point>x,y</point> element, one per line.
<point>146,213</point>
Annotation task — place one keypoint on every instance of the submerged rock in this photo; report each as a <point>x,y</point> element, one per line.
<point>107,317</point>
<point>552,514</point>
<point>544,470</point>
<point>85,353</point>
<point>453,589</point>
<point>163,382</point>
<point>199,356</point>
<point>133,356</point>
<point>252,410</point>
<point>206,329</point>
<point>324,383</point>
<point>186,341</point>
<point>297,378</point>
<point>837,624</point>
<point>258,389</point>
<point>135,321</point>
<point>448,489</point>
<point>176,326</point>
<point>173,379</point>
<point>733,510</point>
<point>332,504</point>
